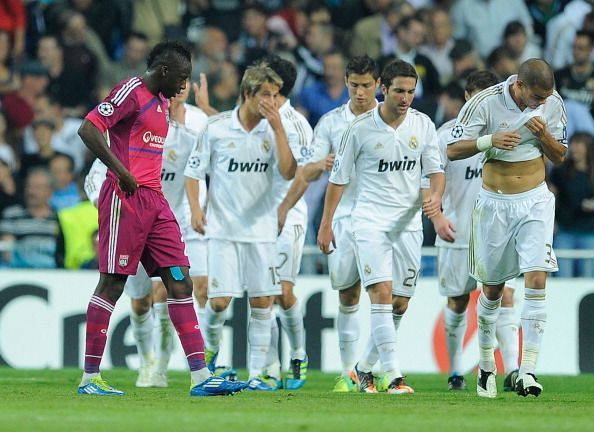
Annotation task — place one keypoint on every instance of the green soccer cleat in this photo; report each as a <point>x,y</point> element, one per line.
<point>344,385</point>
<point>98,387</point>
<point>297,374</point>
<point>382,383</point>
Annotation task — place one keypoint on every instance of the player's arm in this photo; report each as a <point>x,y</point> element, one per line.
<point>198,215</point>
<point>321,154</point>
<point>95,142</point>
<point>294,194</point>
<point>325,235</point>
<point>286,162</point>
<point>201,96</point>
<point>313,170</point>
<point>551,147</point>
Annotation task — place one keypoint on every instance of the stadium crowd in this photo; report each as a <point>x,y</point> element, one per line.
<point>60,58</point>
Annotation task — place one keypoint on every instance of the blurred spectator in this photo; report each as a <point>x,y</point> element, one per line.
<point>319,40</point>
<point>375,35</point>
<point>93,263</point>
<point>78,227</point>
<point>9,81</point>
<point>502,62</point>
<point>541,12</point>
<point>212,52</point>
<point>42,131</point>
<point>226,15</point>
<point>66,193</point>
<point>18,105</point>
<point>411,33</point>
<point>64,138</point>
<point>132,64</point>
<point>483,22</point>
<point>345,13</point>
<point>13,20</point>
<point>32,229</point>
<point>446,106</point>
<point>464,60</point>
<point>158,19</point>
<point>8,166</point>
<point>71,85</point>
<point>576,81</point>
<point>561,32</point>
<point>440,43</point>
<point>573,185</point>
<point>292,21</point>
<point>326,94</point>
<point>7,153</point>
<point>515,39</point>
<point>224,87</point>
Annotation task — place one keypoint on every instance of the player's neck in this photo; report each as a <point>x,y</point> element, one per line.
<point>247,120</point>
<point>150,82</point>
<point>391,118</point>
<point>513,91</point>
<point>358,111</point>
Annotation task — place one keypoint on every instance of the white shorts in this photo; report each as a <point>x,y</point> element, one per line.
<point>235,267</point>
<point>452,268</point>
<point>289,249</point>
<point>389,256</point>
<point>512,234</point>
<point>139,285</point>
<point>195,250</point>
<point>342,263</point>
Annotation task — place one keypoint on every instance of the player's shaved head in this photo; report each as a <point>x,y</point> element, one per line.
<point>537,73</point>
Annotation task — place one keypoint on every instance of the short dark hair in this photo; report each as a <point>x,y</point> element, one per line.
<point>362,65</point>
<point>454,91</point>
<point>284,69</point>
<point>66,156</point>
<point>162,53</point>
<point>404,23</point>
<point>537,73</point>
<point>397,68</point>
<point>480,80</point>
<point>497,55</point>
<point>137,35</point>
<point>513,28</point>
<point>586,34</point>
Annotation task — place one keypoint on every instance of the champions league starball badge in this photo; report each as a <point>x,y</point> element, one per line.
<point>457,131</point>
<point>105,109</point>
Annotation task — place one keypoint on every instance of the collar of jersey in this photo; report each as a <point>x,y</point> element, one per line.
<point>509,102</point>
<point>236,124</point>
<point>380,122</point>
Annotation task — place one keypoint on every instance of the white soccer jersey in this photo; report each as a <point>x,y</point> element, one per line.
<point>463,182</point>
<point>326,140</point>
<point>196,119</point>
<point>389,164</point>
<point>299,135</point>
<point>241,202</point>
<point>493,110</point>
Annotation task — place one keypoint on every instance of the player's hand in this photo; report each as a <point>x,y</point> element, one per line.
<point>329,162</point>
<point>444,228</point>
<point>432,206</point>
<point>326,241</point>
<point>198,221</point>
<point>281,215</point>
<point>537,126</point>
<point>506,140</point>
<point>588,205</point>
<point>128,183</point>
<point>270,112</point>
<point>201,96</point>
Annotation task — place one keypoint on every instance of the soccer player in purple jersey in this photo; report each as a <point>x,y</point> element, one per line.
<point>136,223</point>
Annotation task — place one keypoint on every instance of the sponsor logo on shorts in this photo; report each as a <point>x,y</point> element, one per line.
<point>105,109</point>
<point>124,260</point>
<point>367,269</point>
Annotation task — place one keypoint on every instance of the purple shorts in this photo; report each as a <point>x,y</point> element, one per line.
<point>140,227</point>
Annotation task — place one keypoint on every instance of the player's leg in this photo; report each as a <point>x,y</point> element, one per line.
<point>201,295</point>
<point>138,288</point>
<point>344,277</point>
<point>537,258</point>
<point>273,365</point>
<point>163,334</point>
<point>508,337</point>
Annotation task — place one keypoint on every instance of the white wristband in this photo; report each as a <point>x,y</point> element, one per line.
<point>484,143</point>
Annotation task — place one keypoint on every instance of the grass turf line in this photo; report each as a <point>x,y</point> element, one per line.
<point>46,400</point>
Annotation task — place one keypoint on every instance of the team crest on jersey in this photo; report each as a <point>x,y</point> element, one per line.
<point>413,143</point>
<point>367,269</point>
<point>231,145</point>
<point>124,260</point>
<point>379,146</point>
<point>266,146</point>
<point>503,125</point>
<point>457,131</point>
<point>214,283</point>
<point>171,156</point>
<point>105,109</point>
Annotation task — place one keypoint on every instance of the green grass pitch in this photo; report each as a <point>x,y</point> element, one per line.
<point>45,400</point>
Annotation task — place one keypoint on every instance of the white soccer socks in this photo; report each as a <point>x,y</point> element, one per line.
<point>534,320</point>
<point>212,330</point>
<point>273,365</point>
<point>163,336</point>
<point>384,336</point>
<point>507,336</point>
<point>142,328</point>
<point>455,328</point>
<point>292,322</point>
<point>348,336</point>
<point>259,340</point>
<point>487,313</point>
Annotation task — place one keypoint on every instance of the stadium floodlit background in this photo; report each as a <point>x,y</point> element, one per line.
<point>59,58</point>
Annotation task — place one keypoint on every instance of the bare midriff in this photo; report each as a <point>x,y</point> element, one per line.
<point>513,177</point>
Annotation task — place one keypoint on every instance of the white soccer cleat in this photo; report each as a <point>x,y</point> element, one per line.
<point>486,385</point>
<point>527,384</point>
<point>144,376</point>
<point>159,379</point>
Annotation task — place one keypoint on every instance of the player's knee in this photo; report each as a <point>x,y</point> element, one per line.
<point>182,288</point>
<point>458,304</point>
<point>141,306</point>
<point>508,297</point>
<point>350,296</point>
<point>219,304</point>
<point>536,280</point>
<point>399,305</point>
<point>111,286</point>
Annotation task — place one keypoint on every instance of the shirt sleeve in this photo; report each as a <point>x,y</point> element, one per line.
<point>431,161</point>
<point>199,161</point>
<point>471,121</point>
<point>556,118</point>
<point>120,104</point>
<point>299,137</point>
<point>345,158</point>
<point>321,144</point>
